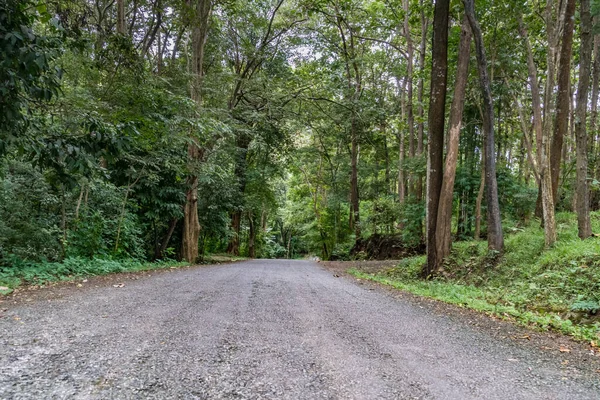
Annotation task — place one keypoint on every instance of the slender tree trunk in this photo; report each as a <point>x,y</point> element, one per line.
<point>420,90</point>
<point>354,200</point>
<point>409,93</point>
<point>480,193</point>
<point>563,98</point>
<point>401,177</point>
<point>437,111</point>
<point>191,224</point>
<point>594,150</point>
<point>251,236</point>
<point>444,215</point>
<point>585,59</point>
<point>495,235</point>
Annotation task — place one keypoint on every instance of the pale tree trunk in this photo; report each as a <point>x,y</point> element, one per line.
<point>191,224</point>
<point>563,98</point>
<point>354,200</point>
<point>594,149</point>
<point>479,199</point>
<point>437,111</point>
<point>585,59</point>
<point>420,90</point>
<point>550,235</point>
<point>121,17</point>
<point>409,93</point>
<point>402,148</point>
<point>401,151</point>
<point>444,215</point>
<point>494,221</point>
<point>542,136</point>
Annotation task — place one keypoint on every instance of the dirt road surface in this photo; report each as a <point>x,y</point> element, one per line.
<point>263,329</point>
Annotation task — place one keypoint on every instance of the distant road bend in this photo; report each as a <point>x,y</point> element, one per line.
<point>262,329</point>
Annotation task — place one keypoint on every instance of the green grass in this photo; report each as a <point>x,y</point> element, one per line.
<point>555,289</point>
<point>26,273</point>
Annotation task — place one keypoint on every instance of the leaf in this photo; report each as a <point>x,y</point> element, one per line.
<point>564,349</point>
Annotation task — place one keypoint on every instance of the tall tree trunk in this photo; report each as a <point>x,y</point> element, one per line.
<point>410,120</point>
<point>495,235</point>
<point>563,98</point>
<point>444,215</point>
<point>585,59</point>
<point>354,200</point>
<point>420,90</point>
<point>542,135</point>
<point>548,206</point>
<point>480,192</point>
<point>191,224</point>
<point>437,111</point>
<point>401,162</point>
<point>593,147</point>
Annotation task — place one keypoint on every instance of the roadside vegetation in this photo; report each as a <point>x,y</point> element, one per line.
<point>557,289</point>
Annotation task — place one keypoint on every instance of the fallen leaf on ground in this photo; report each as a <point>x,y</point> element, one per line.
<point>4,288</point>
<point>564,349</point>
<point>119,285</point>
<point>525,337</point>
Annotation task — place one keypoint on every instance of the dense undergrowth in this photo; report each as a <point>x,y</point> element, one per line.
<point>555,289</point>
<point>41,273</point>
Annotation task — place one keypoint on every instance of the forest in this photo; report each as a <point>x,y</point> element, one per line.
<point>459,136</point>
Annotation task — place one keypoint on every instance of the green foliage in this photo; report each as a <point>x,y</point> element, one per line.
<point>24,272</point>
<point>29,42</point>
<point>29,214</point>
<point>557,288</point>
<point>412,214</point>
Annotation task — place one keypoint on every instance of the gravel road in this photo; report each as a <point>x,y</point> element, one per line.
<point>263,329</point>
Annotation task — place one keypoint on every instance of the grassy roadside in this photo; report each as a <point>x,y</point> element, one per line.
<point>26,273</point>
<point>557,289</point>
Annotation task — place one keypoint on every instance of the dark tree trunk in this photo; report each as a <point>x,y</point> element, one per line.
<point>585,60</point>
<point>444,214</point>
<point>563,98</point>
<point>437,111</point>
<point>494,229</point>
<point>160,250</point>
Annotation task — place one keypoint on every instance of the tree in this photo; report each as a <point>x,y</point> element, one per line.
<point>444,214</point>
<point>585,56</point>
<point>437,111</point>
<point>191,225</point>
<point>495,235</point>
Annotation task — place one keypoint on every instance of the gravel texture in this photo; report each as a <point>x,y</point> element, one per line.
<point>263,329</point>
